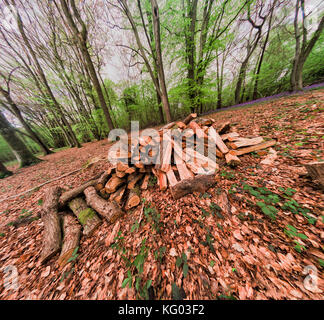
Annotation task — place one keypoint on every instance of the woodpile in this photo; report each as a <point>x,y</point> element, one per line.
<point>183,160</point>
<point>182,166</point>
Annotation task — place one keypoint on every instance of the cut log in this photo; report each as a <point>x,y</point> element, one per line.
<point>260,146</point>
<point>166,154</point>
<point>197,130</point>
<point>162,179</point>
<point>133,200</point>
<point>316,171</point>
<point>242,142</point>
<point>196,169</point>
<point>200,183</point>
<point>51,221</point>
<point>69,195</point>
<point>218,140</point>
<point>232,159</point>
<point>200,159</point>
<point>181,125</point>
<point>130,170</point>
<point>122,166</point>
<point>145,181</point>
<point>86,216</point>
<point>121,174</point>
<point>118,196</point>
<point>231,136</point>
<point>103,179</point>
<point>113,183</point>
<point>131,184</point>
<point>224,128</point>
<point>107,209</point>
<point>184,173</point>
<point>171,178</point>
<point>71,232</point>
<point>190,117</point>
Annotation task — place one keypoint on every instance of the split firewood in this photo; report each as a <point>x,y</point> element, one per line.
<point>86,216</point>
<point>181,125</point>
<point>184,173</point>
<point>145,181</point>
<point>130,170</point>
<point>316,171</point>
<point>206,122</point>
<point>71,232</point>
<point>229,136</point>
<point>69,195</point>
<point>118,196</point>
<point>162,179</point>
<point>133,200</point>
<point>120,174</point>
<point>190,117</point>
<point>260,146</point>
<point>200,183</point>
<point>166,154</point>
<point>122,166</point>
<point>52,229</point>
<point>231,159</point>
<point>197,130</point>
<point>107,209</point>
<point>218,140</point>
<point>113,183</point>
<point>224,128</point>
<point>131,184</point>
<point>171,177</point>
<point>242,142</point>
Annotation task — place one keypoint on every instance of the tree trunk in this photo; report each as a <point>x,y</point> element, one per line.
<point>4,172</point>
<point>43,78</point>
<point>15,110</point>
<point>159,64</point>
<point>51,220</point>
<point>81,38</point>
<point>20,150</point>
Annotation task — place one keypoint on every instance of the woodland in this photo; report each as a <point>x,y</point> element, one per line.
<point>247,73</point>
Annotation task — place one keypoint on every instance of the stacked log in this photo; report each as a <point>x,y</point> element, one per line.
<point>181,163</point>
<point>185,166</point>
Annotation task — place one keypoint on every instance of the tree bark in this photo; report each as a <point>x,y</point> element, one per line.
<point>86,216</point>
<point>52,228</point>
<point>20,150</point>
<point>71,237</point>
<point>303,47</point>
<point>159,60</point>
<point>15,110</point>
<point>43,78</point>
<point>81,38</point>
<point>107,209</point>
<point>199,183</point>
<point>4,172</point>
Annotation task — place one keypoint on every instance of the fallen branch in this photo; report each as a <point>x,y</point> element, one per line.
<point>52,228</point>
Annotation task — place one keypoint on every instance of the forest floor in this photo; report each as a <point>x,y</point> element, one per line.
<point>190,243</point>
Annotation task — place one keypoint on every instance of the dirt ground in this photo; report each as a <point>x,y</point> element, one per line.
<point>189,244</point>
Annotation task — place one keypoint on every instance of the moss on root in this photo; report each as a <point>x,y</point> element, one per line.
<point>85,215</point>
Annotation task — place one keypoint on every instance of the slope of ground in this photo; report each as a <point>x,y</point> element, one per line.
<point>261,247</point>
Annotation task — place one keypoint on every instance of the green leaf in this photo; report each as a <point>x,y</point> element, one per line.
<point>178,262</point>
<point>302,236</point>
<point>321,262</point>
<point>124,284</point>
<point>185,269</point>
